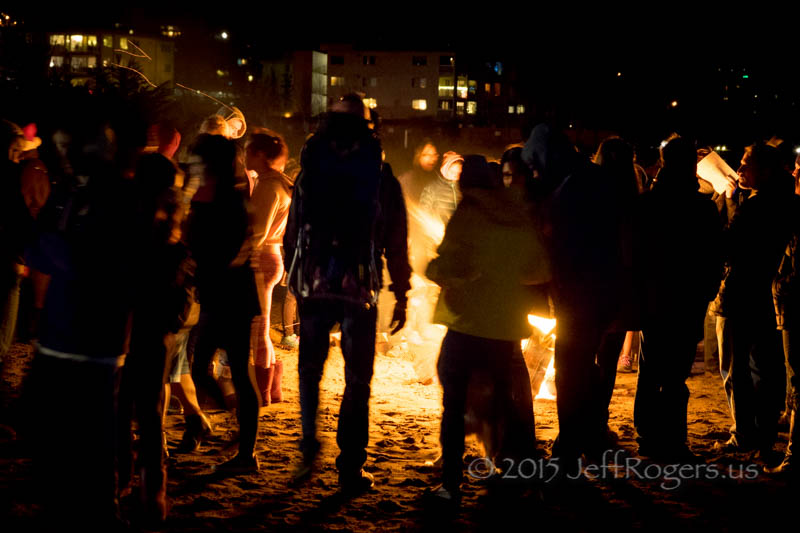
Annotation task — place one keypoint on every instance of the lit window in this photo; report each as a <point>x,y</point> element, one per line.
<point>108,41</point>
<point>91,40</point>
<point>420,104</point>
<point>473,87</point>
<point>56,40</point>
<point>445,105</point>
<point>423,82</point>
<point>520,109</point>
<point>76,43</point>
<point>370,103</point>
<point>337,81</point>
<point>498,68</point>
<point>56,61</point>
<point>460,108</point>
<point>472,108</point>
<point>511,110</point>
<point>123,43</point>
<point>79,62</point>
<point>241,61</point>
<point>250,77</point>
<point>105,62</point>
<point>462,87</point>
<point>446,87</point>
<point>497,89</point>
<point>419,61</point>
<point>487,88</point>
<point>92,63</point>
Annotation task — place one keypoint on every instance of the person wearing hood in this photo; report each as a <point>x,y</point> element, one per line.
<point>440,197</point>
<point>347,215</point>
<point>266,154</point>
<point>678,270</point>
<point>490,256</point>
<point>587,226</point>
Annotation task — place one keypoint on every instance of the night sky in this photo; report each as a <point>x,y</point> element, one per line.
<point>569,56</point>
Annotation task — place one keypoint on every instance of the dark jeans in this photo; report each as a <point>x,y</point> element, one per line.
<point>461,356</point>
<point>662,397</point>
<point>586,357</point>
<point>142,392</point>
<point>74,429</point>
<point>228,328</point>
<point>753,374</point>
<point>358,348</point>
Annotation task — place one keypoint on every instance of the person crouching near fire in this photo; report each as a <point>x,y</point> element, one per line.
<point>491,251</point>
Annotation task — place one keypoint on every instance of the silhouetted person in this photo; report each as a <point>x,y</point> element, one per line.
<point>220,240</point>
<point>678,271</point>
<point>751,359</point>
<point>347,212</point>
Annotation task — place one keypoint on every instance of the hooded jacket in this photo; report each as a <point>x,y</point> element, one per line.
<point>490,252</point>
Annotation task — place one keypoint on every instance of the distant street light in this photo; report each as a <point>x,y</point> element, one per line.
<point>224,35</point>
<point>674,103</point>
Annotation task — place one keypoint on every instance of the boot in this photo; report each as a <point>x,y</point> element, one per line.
<point>788,466</point>
<point>198,428</point>
<point>275,392</point>
<point>264,380</point>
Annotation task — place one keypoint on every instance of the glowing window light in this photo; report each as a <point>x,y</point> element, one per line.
<point>419,104</point>
<point>371,103</point>
<point>123,43</point>
<point>472,108</point>
<point>250,77</point>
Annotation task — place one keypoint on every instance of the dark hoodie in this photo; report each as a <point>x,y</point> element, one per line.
<point>347,195</point>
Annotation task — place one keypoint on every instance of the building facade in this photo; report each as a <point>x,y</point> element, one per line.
<point>78,55</point>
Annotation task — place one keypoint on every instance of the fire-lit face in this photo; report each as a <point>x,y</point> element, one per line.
<point>428,157</point>
<point>747,172</point>
<point>508,175</point>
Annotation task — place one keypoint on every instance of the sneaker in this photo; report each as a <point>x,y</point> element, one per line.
<point>732,445</point>
<point>356,484</point>
<point>290,341</point>
<point>240,464</point>
<point>444,497</point>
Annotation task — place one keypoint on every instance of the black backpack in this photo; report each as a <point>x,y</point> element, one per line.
<point>337,206</point>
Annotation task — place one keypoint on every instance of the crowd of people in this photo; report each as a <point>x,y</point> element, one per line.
<point>145,274</point>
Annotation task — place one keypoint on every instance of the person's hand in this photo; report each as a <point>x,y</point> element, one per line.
<point>398,317</point>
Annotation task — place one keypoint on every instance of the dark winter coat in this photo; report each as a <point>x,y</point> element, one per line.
<point>677,258</point>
